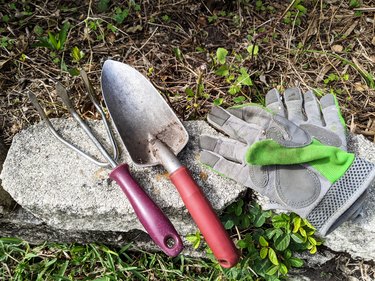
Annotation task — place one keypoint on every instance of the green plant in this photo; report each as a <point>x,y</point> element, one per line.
<point>6,42</point>
<point>236,75</point>
<point>333,77</point>
<point>55,41</point>
<point>195,239</point>
<point>268,241</point>
<point>166,18</point>
<point>103,5</point>
<point>354,4</point>
<point>77,54</point>
<point>120,15</point>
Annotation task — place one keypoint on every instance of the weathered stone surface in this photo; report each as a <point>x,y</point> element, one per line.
<point>68,192</point>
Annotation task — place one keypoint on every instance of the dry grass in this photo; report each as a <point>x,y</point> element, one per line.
<point>330,39</point>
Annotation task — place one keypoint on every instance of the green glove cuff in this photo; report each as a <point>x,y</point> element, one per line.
<point>331,162</point>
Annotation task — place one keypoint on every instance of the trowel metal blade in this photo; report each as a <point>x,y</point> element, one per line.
<point>140,113</point>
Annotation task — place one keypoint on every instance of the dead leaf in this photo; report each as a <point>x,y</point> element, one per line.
<point>203,176</point>
<point>360,87</point>
<point>134,29</point>
<point>111,37</point>
<point>337,48</point>
<point>373,41</point>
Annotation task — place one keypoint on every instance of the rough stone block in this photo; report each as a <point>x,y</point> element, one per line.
<point>70,194</point>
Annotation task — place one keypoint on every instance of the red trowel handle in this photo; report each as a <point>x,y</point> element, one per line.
<point>206,219</point>
<point>157,225</point>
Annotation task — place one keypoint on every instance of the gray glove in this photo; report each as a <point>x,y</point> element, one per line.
<point>321,183</point>
<point>322,121</point>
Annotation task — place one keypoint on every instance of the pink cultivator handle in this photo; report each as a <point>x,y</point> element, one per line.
<point>149,214</point>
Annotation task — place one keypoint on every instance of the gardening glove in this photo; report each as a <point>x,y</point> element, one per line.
<point>319,182</point>
<point>321,119</point>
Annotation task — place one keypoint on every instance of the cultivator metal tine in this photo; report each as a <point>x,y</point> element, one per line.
<point>94,100</point>
<point>44,117</point>
<point>61,91</point>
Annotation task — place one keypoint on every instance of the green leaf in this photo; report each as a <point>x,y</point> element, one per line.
<point>63,34</point>
<point>244,78</point>
<point>297,224</point>
<point>262,241</point>
<point>234,89</point>
<point>272,256</point>
<point>238,209</point>
<point>282,242</point>
<point>279,221</point>
<point>218,101</point>
<point>77,54</point>
<point>73,71</point>
<point>120,15</point>
<point>272,270</point>
<point>195,239</point>
<point>103,5</point>
<point>178,54</point>
<point>313,250</point>
<point>229,224</point>
<point>287,254</point>
<point>312,240</point>
<point>303,232</point>
<point>242,244</point>
<point>296,262</point>
<point>221,55</point>
<point>302,9</point>
<point>263,252</point>
<point>239,99</point>
<point>189,92</point>
<point>222,70</point>
<point>297,238</point>
<point>253,50</point>
<point>52,40</point>
<point>283,269</point>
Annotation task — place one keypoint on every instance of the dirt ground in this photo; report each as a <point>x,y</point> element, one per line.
<point>323,45</point>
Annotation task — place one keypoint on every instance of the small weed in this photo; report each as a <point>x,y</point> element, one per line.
<point>120,15</point>
<point>6,42</point>
<point>332,77</point>
<point>166,18</point>
<point>236,75</point>
<point>54,41</point>
<point>354,4</point>
<point>103,5</point>
<point>77,54</point>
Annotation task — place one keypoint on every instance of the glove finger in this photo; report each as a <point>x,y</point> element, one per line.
<point>312,109</point>
<point>236,127</point>
<point>293,102</point>
<point>274,102</point>
<point>225,167</point>
<point>228,148</point>
<point>332,117</point>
